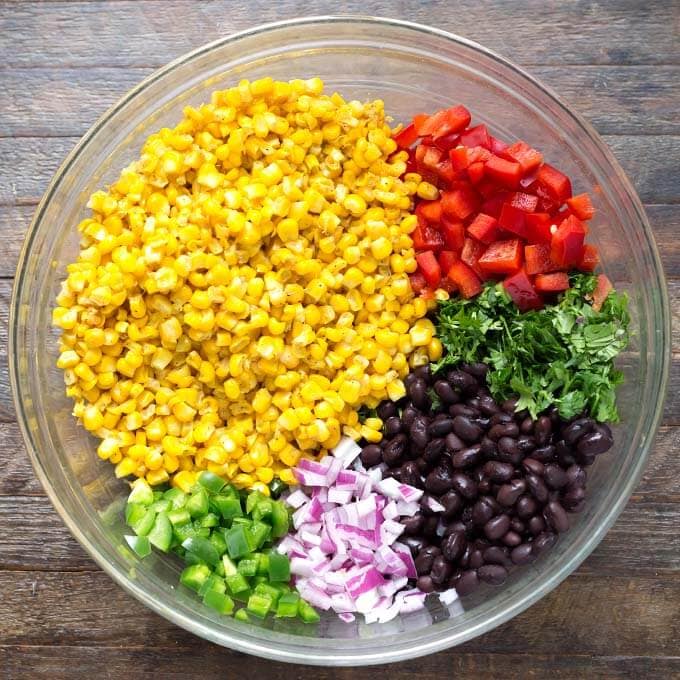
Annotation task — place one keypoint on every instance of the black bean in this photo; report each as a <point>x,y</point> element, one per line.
<point>500,418</point>
<point>423,466</point>
<point>466,429</point>
<point>392,426</point>
<point>543,542</point>
<point>542,430</point>
<point>488,406</point>
<point>484,487</point>
<point>417,392</point>
<point>413,525</point>
<point>425,584</point>
<point>462,381</point>
<point>410,474</point>
<point>497,527</point>
<point>543,454</point>
<point>473,402</point>
<point>430,527</point>
<point>418,432</point>
<point>583,459</point>
<point>508,447</point>
<point>467,457</point>
<point>371,455</point>
<point>477,369</point>
<point>452,502</point>
<point>536,525</point>
<point>433,450</point>
<point>526,426</point>
<point>503,430</point>
<point>537,488</point>
<point>511,539</point>
<point>463,410</point>
<point>556,517</point>
<point>423,373</point>
<point>593,444</point>
<point>476,559</point>
<point>425,500</point>
<point>498,472</point>
<point>526,507</point>
<point>454,442</point>
<point>425,559</point>
<point>453,546</point>
<point>386,409</point>
<point>393,451</point>
<point>488,447</point>
<point>517,525</point>
<point>467,583</point>
<point>564,454</point>
<point>522,554</point>
<point>408,414</point>
<point>496,555</point>
<point>574,499</point>
<point>482,421</point>
<point>482,511</point>
<point>526,444</point>
<point>414,543</point>
<point>494,574</point>
<point>439,481</point>
<point>410,379</point>
<point>441,570</point>
<point>464,485</point>
<point>440,427</point>
<point>555,477</point>
<point>446,393</point>
<point>509,493</point>
<point>509,405</point>
<point>572,432</point>
<point>576,476</point>
<point>534,466</point>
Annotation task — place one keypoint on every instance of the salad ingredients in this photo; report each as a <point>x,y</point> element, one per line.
<point>344,551</point>
<point>497,485</point>
<point>243,288</point>
<point>561,355</point>
<point>225,539</point>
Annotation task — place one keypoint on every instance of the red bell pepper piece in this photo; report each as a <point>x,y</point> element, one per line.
<point>552,283</point>
<point>537,259</point>
<point>522,291</point>
<point>538,227</point>
<point>501,257</point>
<point>411,163</point>
<point>484,228</point>
<point>428,157</point>
<point>525,202</point>
<point>476,136</point>
<point>527,157</point>
<point>581,206</point>
<point>406,136</point>
<point>506,173</point>
<point>497,146</point>
<point>447,142</point>
<point>453,233</point>
<point>554,183</point>
<point>479,154</point>
<point>445,122</point>
<point>476,172</point>
<point>460,203</point>
<point>418,282</point>
<point>466,280</point>
<point>590,259</point>
<point>446,259</point>
<point>446,172</point>
<point>418,121</point>
<point>472,251</point>
<point>426,237</point>
<point>459,158</point>
<point>430,211</point>
<point>513,219</point>
<point>428,265</point>
<point>602,290</point>
<point>566,247</point>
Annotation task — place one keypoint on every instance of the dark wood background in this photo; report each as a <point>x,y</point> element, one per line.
<point>63,63</point>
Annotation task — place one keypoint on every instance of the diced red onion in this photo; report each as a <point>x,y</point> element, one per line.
<point>347,617</point>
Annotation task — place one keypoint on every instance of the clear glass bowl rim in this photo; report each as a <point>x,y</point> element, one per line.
<point>406,650</point>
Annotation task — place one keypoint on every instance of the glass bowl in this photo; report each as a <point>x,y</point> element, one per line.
<point>413,68</point>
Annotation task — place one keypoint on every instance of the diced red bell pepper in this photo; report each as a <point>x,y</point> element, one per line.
<point>445,122</point>
<point>602,290</point>
<point>551,283</point>
<point>476,136</point>
<point>501,257</point>
<point>506,173</point>
<point>538,227</point>
<point>476,172</point>
<point>418,121</point>
<point>537,259</point>
<point>527,157</point>
<point>418,282</point>
<point>493,204</point>
<point>513,219</point>
<point>522,291</point>
<point>446,259</point>
<point>428,265</point>
<point>466,280</point>
<point>406,136</point>
<point>459,158</point>
<point>447,142</point>
<point>446,172</point>
<point>460,203</point>
<point>453,233</point>
<point>566,247</point>
<point>411,163</point>
<point>581,206</point>
<point>484,228</point>
<point>430,211</point>
<point>497,146</point>
<point>472,251</point>
<point>426,237</point>
<point>555,183</point>
<point>479,154</point>
<point>525,202</point>
<point>428,157</point>
<point>590,259</point>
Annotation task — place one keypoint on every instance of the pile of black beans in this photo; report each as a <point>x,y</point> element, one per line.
<point>506,481</point>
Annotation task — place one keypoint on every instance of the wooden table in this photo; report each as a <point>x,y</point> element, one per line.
<point>64,63</point>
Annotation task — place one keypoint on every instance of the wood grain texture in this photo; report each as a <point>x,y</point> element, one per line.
<point>63,63</point>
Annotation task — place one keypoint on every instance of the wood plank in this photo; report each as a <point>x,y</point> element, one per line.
<point>30,162</point>
<point>44,102</point>
<point>643,542</point>
<point>58,662</point>
<point>558,33</point>
<point>589,611</point>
